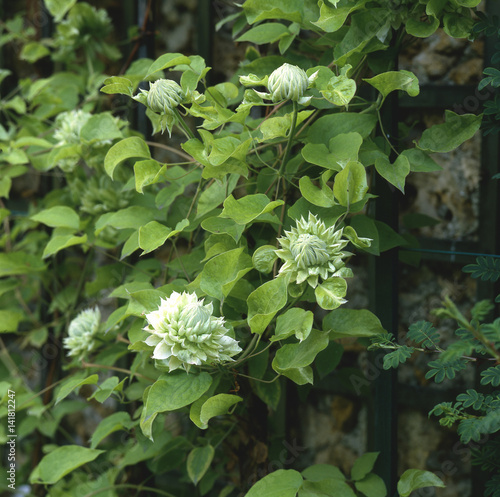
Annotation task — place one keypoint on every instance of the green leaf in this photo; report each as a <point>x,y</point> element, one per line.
<point>371,486</point>
<point>413,479</point>
<point>471,398</point>
<point>110,385</point>
<point>147,172</point>
<point>280,483</point>
<point>486,268</point>
<point>264,257</point>
<point>390,81</point>
<point>415,220</point>
<point>62,461</point>
<point>423,332</point>
<point>5,185</point>
<point>114,422</point>
<point>118,84</point>
<point>326,488</point>
<point>215,194</point>
<point>15,263</point>
<point>198,462</point>
<point>218,225</point>
<point>125,149</point>
<point>457,25</point>
<point>33,51</point>
<point>327,360</point>
<point>268,32</point>
<point>100,127</point>
<point>248,208</point>
<point>166,61</point>
<point>366,227</point>
<point>222,272</point>
<point>265,302</point>
<point>9,320</point>
<point>319,472</point>
<point>154,234</point>
<point>132,217</point>
<point>367,33</point>
<point>363,465</point>
<point>331,125</point>
<point>293,359</point>
<point>441,370</point>
<point>259,10</point>
<point>421,27</point>
<point>218,405</point>
<point>322,197</point>
<point>332,19</point>
<point>350,184</point>
<point>61,241</point>
<point>352,322</point>
<point>340,90</point>
<point>451,134</point>
<point>295,321</point>
<point>394,173</point>
<point>172,392</point>
<point>330,294</point>
<point>72,384</point>
<point>58,216</point>
<point>396,357</point>
<point>58,8</point>
<point>491,375</point>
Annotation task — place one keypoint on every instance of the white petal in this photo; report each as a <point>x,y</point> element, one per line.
<point>162,351</point>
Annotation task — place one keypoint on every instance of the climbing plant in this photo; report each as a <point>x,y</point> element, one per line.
<point>171,292</point>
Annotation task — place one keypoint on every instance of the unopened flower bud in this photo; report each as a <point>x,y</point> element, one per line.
<point>287,83</point>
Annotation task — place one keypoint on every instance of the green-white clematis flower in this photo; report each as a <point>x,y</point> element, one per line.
<point>81,333</point>
<point>69,126</point>
<point>288,82</point>
<point>184,332</point>
<point>311,250</point>
<point>314,254</point>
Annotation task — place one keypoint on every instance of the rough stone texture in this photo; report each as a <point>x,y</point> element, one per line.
<point>450,195</point>
<point>440,59</point>
<point>333,431</point>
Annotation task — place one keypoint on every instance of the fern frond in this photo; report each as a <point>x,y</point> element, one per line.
<point>424,333</point>
<point>397,357</point>
<point>441,370</point>
<point>486,268</point>
<point>471,398</point>
<point>491,375</point>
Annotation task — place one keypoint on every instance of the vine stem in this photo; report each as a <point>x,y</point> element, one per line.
<point>114,368</point>
<point>290,138</point>
<point>180,153</point>
<point>257,379</point>
<point>183,125</point>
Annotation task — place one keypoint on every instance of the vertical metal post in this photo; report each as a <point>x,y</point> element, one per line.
<point>205,32</point>
<point>384,303</point>
<point>145,8</point>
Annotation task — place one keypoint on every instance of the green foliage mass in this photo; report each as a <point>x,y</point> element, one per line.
<point>250,223</point>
